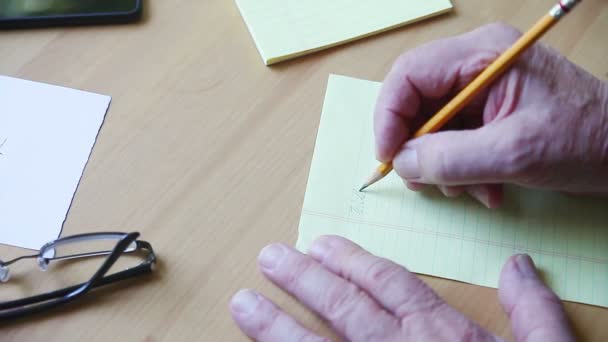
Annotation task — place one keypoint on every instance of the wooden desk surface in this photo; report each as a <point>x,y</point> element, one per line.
<point>206,151</point>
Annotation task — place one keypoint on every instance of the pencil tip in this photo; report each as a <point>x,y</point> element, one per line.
<point>363,188</point>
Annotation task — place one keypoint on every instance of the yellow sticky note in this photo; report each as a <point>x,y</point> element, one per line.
<point>284,29</point>
<point>452,238</point>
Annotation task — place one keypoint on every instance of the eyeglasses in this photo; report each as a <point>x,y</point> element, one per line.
<point>78,247</point>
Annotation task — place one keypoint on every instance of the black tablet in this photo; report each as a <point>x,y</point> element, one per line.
<point>37,13</point>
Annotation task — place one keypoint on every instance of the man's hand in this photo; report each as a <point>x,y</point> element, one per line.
<point>366,298</point>
<point>543,124</point>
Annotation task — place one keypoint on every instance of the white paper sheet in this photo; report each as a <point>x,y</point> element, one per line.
<point>46,136</point>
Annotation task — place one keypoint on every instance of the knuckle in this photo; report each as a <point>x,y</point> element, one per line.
<point>403,59</point>
<point>442,172</point>
<point>405,62</point>
<point>438,169</point>
<point>475,65</point>
<point>297,271</point>
<point>266,320</point>
<point>438,159</point>
<point>537,297</point>
<point>340,301</point>
<point>350,256</point>
<point>503,30</point>
<point>495,37</point>
<point>382,273</point>
<point>521,156</point>
<point>424,301</point>
<point>540,295</point>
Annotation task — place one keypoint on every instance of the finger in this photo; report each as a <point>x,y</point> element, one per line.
<point>536,313</point>
<point>395,288</point>
<point>414,186</point>
<point>263,321</point>
<point>451,191</point>
<point>424,316</point>
<point>490,195</point>
<point>488,155</point>
<point>432,71</point>
<point>351,312</point>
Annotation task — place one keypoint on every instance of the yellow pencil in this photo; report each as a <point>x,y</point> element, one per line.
<point>489,75</point>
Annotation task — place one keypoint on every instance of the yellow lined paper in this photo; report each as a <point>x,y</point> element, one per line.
<point>452,238</point>
<point>284,29</point>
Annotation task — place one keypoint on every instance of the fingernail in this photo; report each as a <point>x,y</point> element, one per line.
<point>270,256</point>
<point>408,164</point>
<point>480,194</point>
<point>452,191</point>
<point>244,302</point>
<point>445,190</point>
<point>414,186</point>
<point>319,248</point>
<point>525,266</point>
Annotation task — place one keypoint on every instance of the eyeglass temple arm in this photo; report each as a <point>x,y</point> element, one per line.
<point>10,262</point>
<point>122,275</point>
<point>68,257</point>
<point>95,282</point>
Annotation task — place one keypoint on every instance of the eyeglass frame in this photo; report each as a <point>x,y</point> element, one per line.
<point>127,243</point>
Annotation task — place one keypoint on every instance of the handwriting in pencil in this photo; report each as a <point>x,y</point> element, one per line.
<point>2,145</point>
<point>357,203</point>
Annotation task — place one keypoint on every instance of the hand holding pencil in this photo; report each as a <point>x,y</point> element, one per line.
<point>519,129</point>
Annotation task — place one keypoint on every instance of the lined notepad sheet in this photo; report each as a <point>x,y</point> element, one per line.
<point>452,238</point>
<point>284,29</point>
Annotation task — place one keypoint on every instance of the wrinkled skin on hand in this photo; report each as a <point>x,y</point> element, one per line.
<point>543,124</point>
<point>367,298</point>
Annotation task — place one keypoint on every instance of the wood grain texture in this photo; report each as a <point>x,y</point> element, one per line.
<point>206,151</point>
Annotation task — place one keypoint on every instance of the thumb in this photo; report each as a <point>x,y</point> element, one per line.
<point>481,156</point>
<point>535,311</point>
